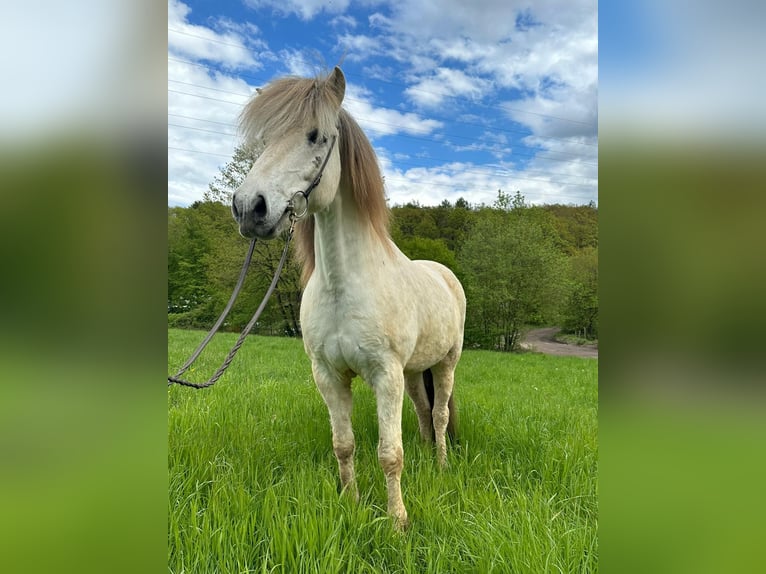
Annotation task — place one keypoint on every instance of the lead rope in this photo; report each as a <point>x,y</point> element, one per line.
<point>225,365</point>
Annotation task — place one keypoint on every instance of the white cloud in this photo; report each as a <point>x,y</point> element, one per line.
<point>201,43</point>
<point>447,82</point>
<point>359,47</point>
<point>306,9</point>
<point>552,55</point>
<point>478,184</point>
<point>564,113</point>
<point>492,143</point>
<point>345,20</point>
<point>202,106</point>
<point>384,121</point>
<point>208,106</point>
<point>477,51</point>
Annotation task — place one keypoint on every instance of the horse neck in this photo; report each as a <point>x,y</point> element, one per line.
<point>346,245</point>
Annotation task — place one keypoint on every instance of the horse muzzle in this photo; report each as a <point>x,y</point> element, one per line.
<point>256,219</point>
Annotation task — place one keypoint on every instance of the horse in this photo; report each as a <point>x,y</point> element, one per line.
<point>367,310</point>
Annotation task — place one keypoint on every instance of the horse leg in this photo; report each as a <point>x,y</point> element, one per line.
<point>444,379</point>
<point>389,391</point>
<point>417,392</point>
<point>336,391</point>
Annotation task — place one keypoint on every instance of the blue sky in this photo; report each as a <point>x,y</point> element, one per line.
<point>459,99</point>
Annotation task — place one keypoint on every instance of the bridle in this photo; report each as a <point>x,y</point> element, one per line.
<point>294,217</point>
<point>306,192</point>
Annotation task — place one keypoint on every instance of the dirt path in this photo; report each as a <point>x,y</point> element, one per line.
<point>541,340</point>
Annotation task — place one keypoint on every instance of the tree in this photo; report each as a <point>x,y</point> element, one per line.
<point>514,275</point>
<point>507,202</point>
<point>231,176</point>
<point>187,287</point>
<point>503,201</point>
<point>461,203</point>
<point>581,310</point>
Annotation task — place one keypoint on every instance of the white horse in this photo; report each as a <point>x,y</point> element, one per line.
<point>367,309</point>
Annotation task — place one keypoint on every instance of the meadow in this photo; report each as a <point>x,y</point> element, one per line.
<point>253,481</point>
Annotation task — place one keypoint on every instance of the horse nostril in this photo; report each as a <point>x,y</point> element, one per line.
<point>235,209</point>
<point>260,206</point>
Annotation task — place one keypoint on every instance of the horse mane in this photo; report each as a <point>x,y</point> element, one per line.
<point>292,102</point>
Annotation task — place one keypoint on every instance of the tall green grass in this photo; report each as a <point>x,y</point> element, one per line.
<point>253,483</point>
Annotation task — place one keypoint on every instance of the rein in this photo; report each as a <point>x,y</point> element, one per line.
<point>245,332</point>
<point>294,217</point>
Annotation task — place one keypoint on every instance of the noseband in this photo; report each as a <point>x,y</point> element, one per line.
<point>305,193</point>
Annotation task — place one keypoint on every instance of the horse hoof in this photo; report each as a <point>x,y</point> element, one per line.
<point>401,523</point>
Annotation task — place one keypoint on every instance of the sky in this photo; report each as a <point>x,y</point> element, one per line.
<point>459,99</point>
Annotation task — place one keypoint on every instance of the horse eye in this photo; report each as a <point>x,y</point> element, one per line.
<point>312,136</point>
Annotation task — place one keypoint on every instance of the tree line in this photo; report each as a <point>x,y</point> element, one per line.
<point>520,265</point>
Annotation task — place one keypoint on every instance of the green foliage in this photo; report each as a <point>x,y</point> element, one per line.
<point>506,202</point>
<point>513,258</point>
<point>444,222</point>
<point>513,275</point>
<point>576,225</point>
<point>253,481</point>
<point>205,255</point>
<point>433,249</point>
<point>581,309</point>
<point>188,242</point>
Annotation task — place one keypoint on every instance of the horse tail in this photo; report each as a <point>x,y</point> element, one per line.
<point>428,382</point>
<point>452,421</point>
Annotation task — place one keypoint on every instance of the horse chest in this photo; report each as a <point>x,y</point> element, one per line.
<point>347,332</point>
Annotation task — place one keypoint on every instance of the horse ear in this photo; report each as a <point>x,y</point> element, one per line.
<point>336,82</point>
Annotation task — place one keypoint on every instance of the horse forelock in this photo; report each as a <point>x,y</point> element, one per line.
<point>287,104</point>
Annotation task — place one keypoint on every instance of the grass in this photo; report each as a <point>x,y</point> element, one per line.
<point>253,483</point>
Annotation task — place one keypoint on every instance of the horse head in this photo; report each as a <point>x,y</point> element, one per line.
<point>295,123</point>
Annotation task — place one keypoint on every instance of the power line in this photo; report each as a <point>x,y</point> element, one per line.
<point>227,124</point>
<point>199,151</point>
<point>438,118</point>
<point>209,88</point>
<point>452,96</point>
<point>446,140</point>
<point>205,97</point>
<point>401,161</point>
<point>503,108</point>
<point>455,97</point>
<point>201,130</point>
<point>534,153</point>
<point>241,46</point>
